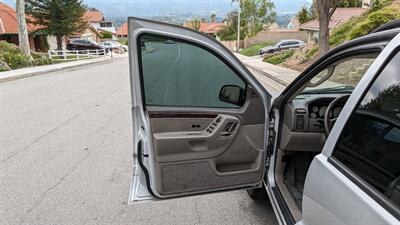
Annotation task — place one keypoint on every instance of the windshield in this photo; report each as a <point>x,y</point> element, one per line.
<point>339,78</point>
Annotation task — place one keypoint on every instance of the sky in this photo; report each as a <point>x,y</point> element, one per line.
<point>146,8</point>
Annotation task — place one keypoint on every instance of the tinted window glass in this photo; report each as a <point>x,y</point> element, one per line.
<point>181,74</point>
<point>283,43</point>
<point>370,143</point>
<point>344,75</point>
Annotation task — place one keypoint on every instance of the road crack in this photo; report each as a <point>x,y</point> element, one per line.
<point>197,212</point>
<point>46,192</point>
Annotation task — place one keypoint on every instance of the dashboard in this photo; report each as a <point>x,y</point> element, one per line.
<point>307,112</point>
<point>318,108</point>
<point>303,121</point>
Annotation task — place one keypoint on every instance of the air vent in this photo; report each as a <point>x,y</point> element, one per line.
<point>300,122</point>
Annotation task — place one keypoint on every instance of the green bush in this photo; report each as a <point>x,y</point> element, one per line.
<point>106,35</point>
<point>364,24</point>
<point>309,54</point>
<point>4,66</point>
<point>279,57</point>
<point>374,20</point>
<point>7,47</point>
<point>12,57</point>
<point>15,60</point>
<point>40,58</point>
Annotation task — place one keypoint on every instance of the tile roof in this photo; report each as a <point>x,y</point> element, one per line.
<point>123,30</point>
<point>94,16</point>
<point>341,15</point>
<point>210,28</point>
<point>8,21</point>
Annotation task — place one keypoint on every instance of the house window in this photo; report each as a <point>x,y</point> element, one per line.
<point>106,24</point>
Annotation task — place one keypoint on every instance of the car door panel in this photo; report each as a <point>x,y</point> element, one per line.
<point>235,158</point>
<point>191,144</point>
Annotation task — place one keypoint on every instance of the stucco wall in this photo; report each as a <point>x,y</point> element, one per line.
<point>231,45</point>
<point>276,36</point>
<point>52,41</point>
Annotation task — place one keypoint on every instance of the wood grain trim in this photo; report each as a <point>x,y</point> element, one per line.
<point>181,115</point>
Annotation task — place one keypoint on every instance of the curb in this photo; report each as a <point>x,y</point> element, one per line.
<point>270,75</point>
<point>37,73</point>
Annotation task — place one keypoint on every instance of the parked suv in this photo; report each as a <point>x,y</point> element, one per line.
<point>326,150</point>
<point>83,44</point>
<point>282,45</point>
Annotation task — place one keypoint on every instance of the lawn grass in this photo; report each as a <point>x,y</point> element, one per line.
<point>254,49</point>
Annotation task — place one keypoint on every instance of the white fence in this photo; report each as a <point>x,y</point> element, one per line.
<point>76,54</point>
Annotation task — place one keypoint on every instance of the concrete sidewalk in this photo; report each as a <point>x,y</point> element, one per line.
<point>281,75</point>
<point>38,70</point>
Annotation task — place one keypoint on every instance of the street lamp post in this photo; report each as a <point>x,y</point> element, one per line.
<point>238,28</point>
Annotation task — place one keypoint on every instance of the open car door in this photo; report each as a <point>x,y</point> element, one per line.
<point>199,116</point>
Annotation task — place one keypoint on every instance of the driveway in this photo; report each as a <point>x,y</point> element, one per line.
<point>66,152</point>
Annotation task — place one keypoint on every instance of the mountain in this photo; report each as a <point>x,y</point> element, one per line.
<point>176,10</point>
<point>149,8</point>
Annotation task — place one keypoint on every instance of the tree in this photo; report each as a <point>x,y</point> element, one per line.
<point>325,10</point>
<point>306,14</point>
<point>58,17</point>
<point>254,15</point>
<point>229,32</point>
<point>23,38</point>
<point>196,24</point>
<point>213,18</point>
<point>302,15</point>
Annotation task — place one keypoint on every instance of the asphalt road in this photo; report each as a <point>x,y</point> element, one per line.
<point>65,151</point>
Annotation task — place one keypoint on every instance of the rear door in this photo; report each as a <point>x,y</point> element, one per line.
<point>199,116</point>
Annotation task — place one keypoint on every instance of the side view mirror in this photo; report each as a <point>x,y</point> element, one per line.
<point>232,94</point>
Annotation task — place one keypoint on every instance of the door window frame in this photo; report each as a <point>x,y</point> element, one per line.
<point>214,53</point>
<point>376,195</point>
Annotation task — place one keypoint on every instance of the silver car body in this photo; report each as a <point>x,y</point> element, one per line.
<point>282,45</point>
<point>329,196</point>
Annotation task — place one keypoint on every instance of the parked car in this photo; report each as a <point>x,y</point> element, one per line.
<point>125,47</point>
<point>84,44</point>
<point>282,45</point>
<point>326,150</point>
<point>114,45</point>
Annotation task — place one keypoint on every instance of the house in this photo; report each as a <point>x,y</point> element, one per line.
<point>90,33</point>
<point>209,28</point>
<point>122,31</point>
<point>293,24</point>
<point>97,27</point>
<point>340,16</point>
<point>9,29</point>
<point>97,20</point>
